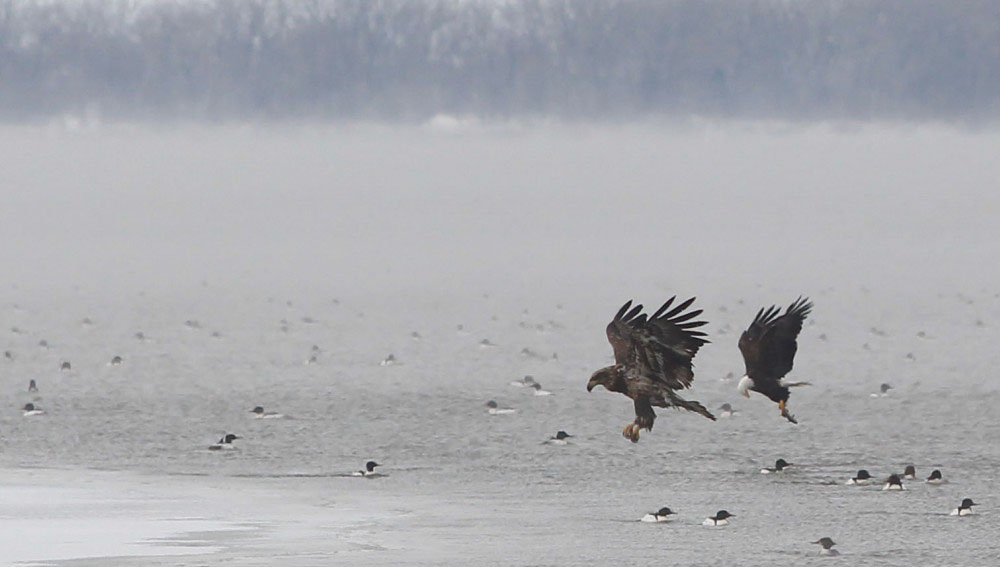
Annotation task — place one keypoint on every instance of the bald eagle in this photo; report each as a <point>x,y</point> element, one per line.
<point>652,359</point>
<point>768,346</point>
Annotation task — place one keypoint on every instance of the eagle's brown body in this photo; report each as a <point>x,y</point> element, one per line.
<point>652,360</point>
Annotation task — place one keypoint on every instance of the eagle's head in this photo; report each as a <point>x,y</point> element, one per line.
<point>610,377</point>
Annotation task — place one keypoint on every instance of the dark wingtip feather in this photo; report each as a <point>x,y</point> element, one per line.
<point>662,308</point>
<point>623,309</point>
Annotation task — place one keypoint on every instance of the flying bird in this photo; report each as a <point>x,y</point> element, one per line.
<point>768,348</point>
<point>652,359</point>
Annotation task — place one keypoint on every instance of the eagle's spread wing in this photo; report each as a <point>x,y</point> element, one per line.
<point>768,345</point>
<point>657,348</point>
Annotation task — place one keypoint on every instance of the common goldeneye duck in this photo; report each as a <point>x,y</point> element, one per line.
<point>539,391</point>
<point>862,478</point>
<point>494,409</point>
<point>389,360</point>
<point>30,410</point>
<point>32,387</point>
<point>964,509</point>
<point>893,483</point>
<point>910,472</point>
<point>66,366</point>
<point>827,544</point>
<point>721,518</point>
<point>116,361</point>
<point>225,443</point>
<point>779,466</point>
<point>560,438</point>
<point>883,391</point>
<point>259,413</point>
<point>661,515</point>
<point>726,410</point>
<point>369,469</point>
<point>527,382</point>
<point>935,477</point>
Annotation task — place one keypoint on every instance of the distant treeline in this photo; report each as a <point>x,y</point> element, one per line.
<point>411,59</point>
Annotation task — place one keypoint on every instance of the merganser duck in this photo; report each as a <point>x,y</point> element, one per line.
<point>369,469</point>
<point>560,438</point>
<point>527,382</point>
<point>779,466</point>
<point>30,410</point>
<point>827,544</point>
<point>661,515</point>
<point>893,483</point>
<point>935,477</point>
<point>259,413</point>
<point>494,409</point>
<point>862,478</point>
<point>726,410</point>
<point>226,443</point>
<point>964,509</point>
<point>721,518</point>
<point>539,391</point>
<point>883,391</point>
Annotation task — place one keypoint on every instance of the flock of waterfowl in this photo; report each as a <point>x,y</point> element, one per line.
<point>653,361</point>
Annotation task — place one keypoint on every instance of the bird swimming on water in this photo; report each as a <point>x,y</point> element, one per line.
<point>893,483</point>
<point>560,438</point>
<point>653,357</point>
<point>32,386</point>
<point>493,408</point>
<point>863,478</point>
<point>935,477</point>
<point>769,346</point>
<point>369,469</point>
<point>779,466</point>
<point>226,443</point>
<point>964,509</point>
<point>883,390</point>
<point>721,518</point>
<point>910,472</point>
<point>726,411</point>
<point>661,515</point>
<point>259,413</point>
<point>31,410</point>
<point>827,544</point>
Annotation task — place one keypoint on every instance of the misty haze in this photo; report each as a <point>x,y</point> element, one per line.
<point>252,249</point>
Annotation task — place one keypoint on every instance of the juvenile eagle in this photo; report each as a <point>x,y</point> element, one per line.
<point>652,359</point>
<point>768,348</point>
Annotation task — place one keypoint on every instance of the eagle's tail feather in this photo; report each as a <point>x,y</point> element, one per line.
<point>691,406</point>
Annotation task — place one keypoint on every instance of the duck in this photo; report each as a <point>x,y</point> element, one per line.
<point>661,515</point>
<point>226,443</point>
<point>259,413</point>
<point>66,366</point>
<point>883,390</point>
<point>893,483</point>
<point>910,472</point>
<point>935,477</point>
<point>116,361</point>
<point>726,411</point>
<point>863,478</point>
<point>369,469</point>
<point>539,391</point>
<point>560,438</point>
<point>494,409</point>
<point>30,410</point>
<point>527,382</point>
<point>32,386</point>
<point>721,518</point>
<point>827,544</point>
<point>389,360</point>
<point>779,466</point>
<point>964,509</point>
